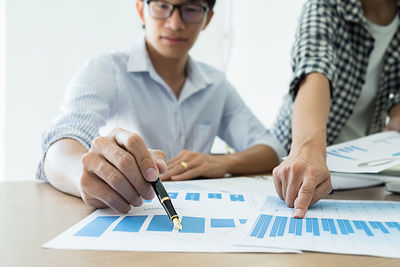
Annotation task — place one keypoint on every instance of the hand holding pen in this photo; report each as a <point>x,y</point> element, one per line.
<point>118,171</point>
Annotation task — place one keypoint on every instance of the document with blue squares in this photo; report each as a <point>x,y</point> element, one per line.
<point>212,221</point>
<point>218,220</point>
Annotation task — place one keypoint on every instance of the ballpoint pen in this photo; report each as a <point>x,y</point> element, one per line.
<point>166,202</point>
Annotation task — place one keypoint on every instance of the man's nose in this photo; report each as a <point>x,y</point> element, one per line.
<point>175,22</point>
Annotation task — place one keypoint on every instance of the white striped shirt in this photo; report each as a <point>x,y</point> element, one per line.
<point>122,89</point>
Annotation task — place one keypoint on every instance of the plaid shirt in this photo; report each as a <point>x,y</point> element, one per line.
<point>332,39</point>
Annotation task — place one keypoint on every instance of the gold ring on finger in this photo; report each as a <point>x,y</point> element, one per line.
<point>185,165</point>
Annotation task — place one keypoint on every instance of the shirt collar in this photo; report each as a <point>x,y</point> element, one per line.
<point>139,61</point>
<point>352,10</point>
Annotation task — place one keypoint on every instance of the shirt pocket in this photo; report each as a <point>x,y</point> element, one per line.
<point>203,137</point>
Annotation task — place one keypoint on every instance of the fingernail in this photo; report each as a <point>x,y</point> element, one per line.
<point>163,164</point>
<point>138,202</point>
<point>149,196</point>
<point>151,174</point>
<point>297,213</point>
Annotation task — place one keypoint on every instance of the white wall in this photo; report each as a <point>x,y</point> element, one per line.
<point>2,82</point>
<point>263,33</point>
<point>48,40</point>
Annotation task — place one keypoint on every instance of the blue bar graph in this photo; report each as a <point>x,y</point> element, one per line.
<point>243,221</point>
<point>193,225</point>
<point>336,154</point>
<point>299,223</point>
<point>325,225</point>
<point>342,227</point>
<point>357,225</point>
<point>260,221</point>
<point>264,227</point>
<point>214,195</point>
<point>160,223</point>
<point>222,223</point>
<point>315,226</point>
<point>275,226</point>
<point>282,226</point>
<point>237,198</point>
<point>397,225</point>
<point>173,195</point>
<point>97,227</point>
<point>359,148</point>
<point>292,225</point>
<point>348,226</point>
<point>193,196</point>
<point>269,226</point>
<point>308,225</point>
<point>380,226</point>
<point>366,229</point>
<point>130,224</point>
<point>390,224</point>
<point>373,224</point>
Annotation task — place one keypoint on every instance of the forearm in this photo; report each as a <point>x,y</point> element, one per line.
<point>256,159</point>
<point>63,167</point>
<point>310,113</point>
<point>394,112</point>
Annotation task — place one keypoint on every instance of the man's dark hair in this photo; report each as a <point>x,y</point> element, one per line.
<point>211,3</point>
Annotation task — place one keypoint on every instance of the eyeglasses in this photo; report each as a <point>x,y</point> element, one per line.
<point>190,13</point>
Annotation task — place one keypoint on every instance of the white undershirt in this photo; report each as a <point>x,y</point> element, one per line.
<point>358,122</point>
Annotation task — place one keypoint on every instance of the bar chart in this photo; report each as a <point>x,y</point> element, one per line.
<point>380,238</point>
<point>155,223</point>
<point>196,196</point>
<point>315,226</point>
<point>350,227</point>
<point>370,154</point>
<point>148,228</point>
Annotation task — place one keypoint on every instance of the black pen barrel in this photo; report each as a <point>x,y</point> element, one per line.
<point>164,198</point>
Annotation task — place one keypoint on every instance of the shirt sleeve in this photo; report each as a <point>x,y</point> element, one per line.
<point>394,99</point>
<point>240,128</point>
<point>86,107</point>
<point>313,48</point>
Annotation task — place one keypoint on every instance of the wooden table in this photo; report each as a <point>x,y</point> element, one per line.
<point>32,213</point>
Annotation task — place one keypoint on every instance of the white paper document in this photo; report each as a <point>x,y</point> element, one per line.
<point>370,154</point>
<point>254,185</point>
<point>335,226</point>
<point>211,221</point>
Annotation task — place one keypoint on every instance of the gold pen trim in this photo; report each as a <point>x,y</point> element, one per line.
<point>164,198</point>
<point>177,223</point>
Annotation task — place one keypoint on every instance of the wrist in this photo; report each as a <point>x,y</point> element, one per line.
<point>309,147</point>
<point>227,162</point>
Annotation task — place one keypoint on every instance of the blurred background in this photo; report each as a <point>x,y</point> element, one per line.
<point>43,43</point>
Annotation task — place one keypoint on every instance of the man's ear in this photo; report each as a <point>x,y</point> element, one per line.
<point>209,17</point>
<point>139,8</point>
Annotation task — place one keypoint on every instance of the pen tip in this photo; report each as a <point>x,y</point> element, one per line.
<point>177,223</point>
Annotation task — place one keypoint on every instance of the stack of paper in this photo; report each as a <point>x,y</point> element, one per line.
<point>348,227</point>
<point>375,157</point>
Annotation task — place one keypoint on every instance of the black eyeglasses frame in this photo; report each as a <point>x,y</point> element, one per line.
<point>179,7</point>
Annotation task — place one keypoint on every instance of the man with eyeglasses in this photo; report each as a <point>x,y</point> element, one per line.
<point>154,96</point>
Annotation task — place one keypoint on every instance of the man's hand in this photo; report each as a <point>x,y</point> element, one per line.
<point>117,171</point>
<point>302,179</point>
<point>189,165</point>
